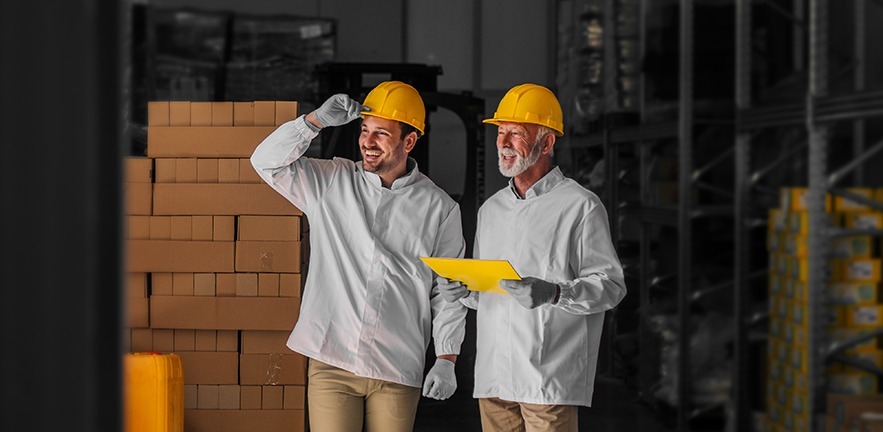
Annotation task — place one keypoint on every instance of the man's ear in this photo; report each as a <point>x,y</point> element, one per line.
<point>410,141</point>
<point>548,143</point>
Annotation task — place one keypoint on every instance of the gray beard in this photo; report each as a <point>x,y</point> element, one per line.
<point>521,164</point>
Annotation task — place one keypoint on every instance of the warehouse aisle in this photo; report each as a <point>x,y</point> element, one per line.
<point>616,408</point>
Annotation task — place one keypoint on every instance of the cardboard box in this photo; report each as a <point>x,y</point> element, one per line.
<point>208,142</point>
<point>179,256</point>
<point>160,284</point>
<point>136,285</point>
<point>247,173</point>
<point>219,199</point>
<point>250,397</point>
<point>265,342</point>
<point>164,340</point>
<point>200,114</point>
<point>285,111</point>
<point>138,198</point>
<point>207,170</point>
<point>226,285</point>
<point>181,228</point>
<point>271,397</point>
<point>210,367</point>
<point>185,340</point>
<point>160,228</point>
<point>268,256</point>
<point>265,113</point>
<point>190,396</point>
<point>223,313</point>
<point>138,227</point>
<point>290,285</point>
<point>204,284</point>
<point>228,170</point>
<point>223,228</point>
<point>165,170</point>
<point>268,285</point>
<point>228,340</point>
<point>138,312</point>
<point>203,228</point>
<point>294,397</point>
<point>222,113</point>
<point>138,170</point>
<point>179,113</point>
<point>269,228</point>
<point>206,340</point>
<point>157,114</point>
<point>244,420</point>
<point>246,285</point>
<point>182,284</point>
<point>185,170</point>
<point>142,340</point>
<point>272,369</point>
<point>207,396</point>
<point>228,397</point>
<point>243,113</point>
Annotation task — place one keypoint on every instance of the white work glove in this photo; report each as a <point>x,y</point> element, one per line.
<point>440,381</point>
<point>451,291</point>
<point>338,110</point>
<point>530,292</point>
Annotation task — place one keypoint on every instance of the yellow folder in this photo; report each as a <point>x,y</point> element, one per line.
<point>476,274</point>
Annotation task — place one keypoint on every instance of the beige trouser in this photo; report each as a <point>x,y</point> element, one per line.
<point>341,402</point>
<point>498,415</point>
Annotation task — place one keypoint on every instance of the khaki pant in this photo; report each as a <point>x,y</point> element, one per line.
<point>342,402</point>
<point>498,415</point>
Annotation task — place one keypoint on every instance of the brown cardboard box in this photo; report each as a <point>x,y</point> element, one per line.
<point>163,340</point>
<point>182,284</point>
<point>207,396</point>
<point>247,173</point>
<point>210,367</point>
<point>294,398</point>
<point>290,285</point>
<point>223,313</point>
<point>190,396</point>
<point>137,312</point>
<point>246,285</point>
<point>228,170</point>
<point>138,227</point>
<point>285,111</point>
<point>165,170</point>
<point>142,340</point>
<point>208,142</point>
<point>228,340</point>
<point>268,256</point>
<point>265,113</point>
<point>244,420</point>
<point>136,285</point>
<point>272,369</point>
<point>222,113</point>
<point>185,170</point>
<point>185,340</point>
<point>204,284</point>
<point>219,199</point>
<point>271,397</point>
<point>203,228</point>
<point>265,342</point>
<point>161,284</point>
<point>226,285</point>
<point>206,340</point>
<point>138,198</point>
<point>268,285</point>
<point>243,113</point>
<point>200,114</point>
<point>160,228</point>
<point>269,228</point>
<point>179,256</point>
<point>157,114</point>
<point>250,397</point>
<point>228,397</point>
<point>181,228</point>
<point>179,113</point>
<point>842,408</point>
<point>138,170</point>
<point>207,170</point>
<point>223,228</point>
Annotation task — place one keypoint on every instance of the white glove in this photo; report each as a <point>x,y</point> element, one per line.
<point>338,110</point>
<point>530,292</point>
<point>441,382</point>
<point>451,291</point>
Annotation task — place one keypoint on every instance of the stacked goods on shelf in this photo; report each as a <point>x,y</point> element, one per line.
<point>214,265</point>
<point>852,296</point>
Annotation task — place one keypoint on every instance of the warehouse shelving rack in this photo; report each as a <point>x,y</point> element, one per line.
<point>817,114</point>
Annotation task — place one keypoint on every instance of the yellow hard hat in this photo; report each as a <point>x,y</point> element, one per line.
<point>530,103</point>
<point>395,100</point>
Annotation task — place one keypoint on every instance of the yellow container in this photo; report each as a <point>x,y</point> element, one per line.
<point>846,205</point>
<point>852,247</point>
<point>154,393</point>
<point>794,199</point>
<point>854,293</point>
<point>864,316</point>
<point>864,220</point>
<point>859,269</point>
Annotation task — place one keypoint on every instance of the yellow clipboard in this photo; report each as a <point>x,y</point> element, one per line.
<point>476,274</point>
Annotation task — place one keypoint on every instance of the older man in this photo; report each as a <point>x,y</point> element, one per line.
<point>537,347</point>
<point>369,306</point>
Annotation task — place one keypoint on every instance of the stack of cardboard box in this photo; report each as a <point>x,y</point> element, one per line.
<point>852,304</point>
<point>214,263</point>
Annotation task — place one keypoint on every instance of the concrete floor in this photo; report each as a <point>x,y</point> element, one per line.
<point>615,408</point>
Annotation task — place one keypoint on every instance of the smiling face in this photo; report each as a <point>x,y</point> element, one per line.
<point>517,147</point>
<point>384,150</point>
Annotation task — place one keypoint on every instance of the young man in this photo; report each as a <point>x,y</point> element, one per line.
<point>537,347</point>
<point>369,305</point>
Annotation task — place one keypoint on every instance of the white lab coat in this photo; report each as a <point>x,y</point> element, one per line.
<point>559,233</point>
<point>369,304</point>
